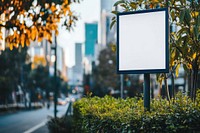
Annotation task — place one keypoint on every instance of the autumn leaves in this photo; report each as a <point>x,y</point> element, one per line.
<point>33,20</point>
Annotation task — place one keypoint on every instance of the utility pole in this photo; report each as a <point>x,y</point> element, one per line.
<point>55,78</point>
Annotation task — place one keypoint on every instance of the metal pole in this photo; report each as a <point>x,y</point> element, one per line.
<point>172,86</point>
<point>147,91</point>
<point>122,85</point>
<point>55,76</point>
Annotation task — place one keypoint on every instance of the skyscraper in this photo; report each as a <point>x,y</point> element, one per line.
<point>107,34</point>
<point>78,57</point>
<point>61,61</point>
<point>78,68</point>
<point>91,38</point>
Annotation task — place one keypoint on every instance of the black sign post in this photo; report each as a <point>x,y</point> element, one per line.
<point>147,91</point>
<point>142,45</point>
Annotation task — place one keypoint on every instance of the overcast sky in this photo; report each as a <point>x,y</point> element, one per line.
<point>89,11</point>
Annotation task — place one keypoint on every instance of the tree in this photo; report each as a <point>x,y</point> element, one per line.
<point>32,20</point>
<point>104,75</point>
<point>185,42</point>
<point>13,71</point>
<point>41,76</point>
<point>39,80</point>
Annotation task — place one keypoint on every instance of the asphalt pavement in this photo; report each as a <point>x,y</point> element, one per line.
<point>31,121</point>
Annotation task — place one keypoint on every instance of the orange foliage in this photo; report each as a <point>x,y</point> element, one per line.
<point>38,60</point>
<point>31,20</point>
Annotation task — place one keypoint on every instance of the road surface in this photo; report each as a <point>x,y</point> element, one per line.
<point>28,121</point>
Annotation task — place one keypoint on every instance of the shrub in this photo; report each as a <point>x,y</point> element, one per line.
<point>110,115</point>
<point>60,125</point>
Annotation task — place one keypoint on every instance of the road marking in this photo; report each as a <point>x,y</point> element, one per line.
<point>59,113</point>
<point>36,127</point>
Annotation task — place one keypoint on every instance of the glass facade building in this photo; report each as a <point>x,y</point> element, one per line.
<point>91,38</point>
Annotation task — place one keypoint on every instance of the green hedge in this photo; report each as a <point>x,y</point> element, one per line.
<point>60,125</point>
<point>110,115</point>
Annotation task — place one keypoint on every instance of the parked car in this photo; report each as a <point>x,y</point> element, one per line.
<point>61,101</point>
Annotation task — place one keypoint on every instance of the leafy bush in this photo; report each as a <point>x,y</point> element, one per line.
<point>60,125</point>
<point>110,115</point>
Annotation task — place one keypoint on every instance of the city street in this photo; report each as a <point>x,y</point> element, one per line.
<point>29,121</point>
<point>110,66</point>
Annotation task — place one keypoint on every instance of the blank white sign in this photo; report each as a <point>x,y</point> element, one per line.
<point>142,41</point>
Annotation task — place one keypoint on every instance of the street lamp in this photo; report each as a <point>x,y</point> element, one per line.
<point>55,77</point>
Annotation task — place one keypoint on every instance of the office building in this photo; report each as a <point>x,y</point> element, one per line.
<point>43,50</point>
<point>61,68</point>
<point>78,68</point>
<point>91,38</point>
<point>107,35</point>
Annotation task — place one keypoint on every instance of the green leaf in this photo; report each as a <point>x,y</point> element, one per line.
<point>124,6</point>
<point>115,12</point>
<point>173,15</point>
<point>133,5</point>
<point>112,23</point>
<point>196,32</point>
<point>183,31</point>
<point>177,69</point>
<point>114,48</point>
<point>113,18</point>
<point>194,56</point>
<point>185,68</point>
<point>182,15</point>
<point>187,16</point>
<point>182,2</point>
<point>173,53</point>
<point>118,2</point>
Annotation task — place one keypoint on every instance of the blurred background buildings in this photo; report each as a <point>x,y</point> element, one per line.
<point>88,59</point>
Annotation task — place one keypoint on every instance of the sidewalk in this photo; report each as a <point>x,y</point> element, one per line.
<point>12,108</point>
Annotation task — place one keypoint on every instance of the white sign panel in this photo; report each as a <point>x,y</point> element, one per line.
<point>142,39</point>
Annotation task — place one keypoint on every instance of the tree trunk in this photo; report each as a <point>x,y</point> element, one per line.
<point>195,79</point>
<point>195,75</point>
<point>166,87</point>
<point>190,83</point>
<point>184,88</point>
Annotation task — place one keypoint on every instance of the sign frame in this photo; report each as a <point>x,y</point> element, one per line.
<point>143,71</point>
